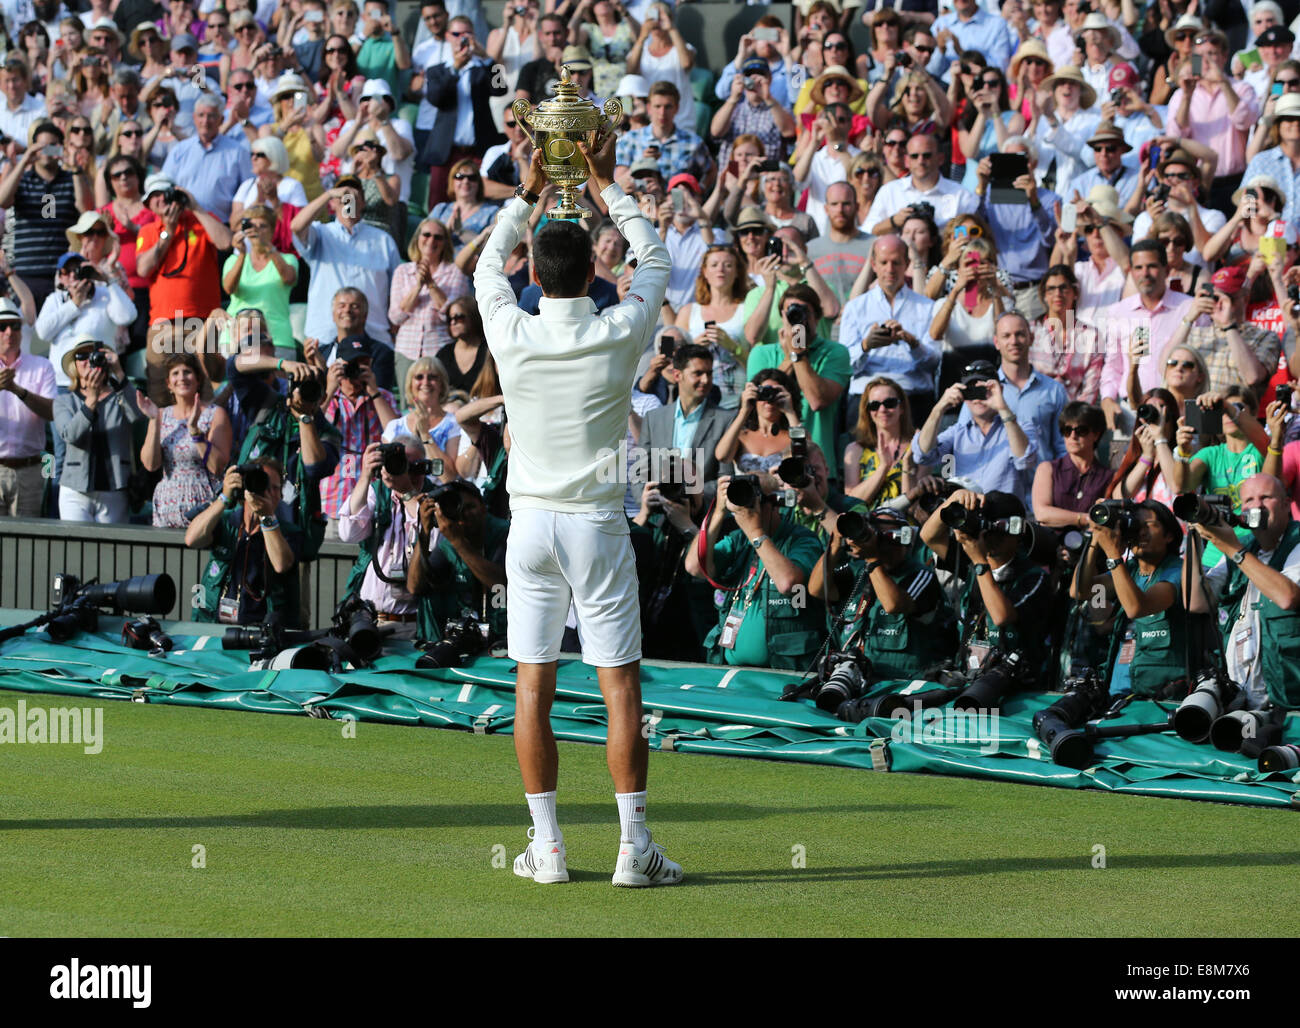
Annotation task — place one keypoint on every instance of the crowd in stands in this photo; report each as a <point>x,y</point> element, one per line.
<point>1019,258</point>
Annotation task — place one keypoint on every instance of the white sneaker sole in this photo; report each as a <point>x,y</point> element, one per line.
<point>542,877</point>
<point>633,880</point>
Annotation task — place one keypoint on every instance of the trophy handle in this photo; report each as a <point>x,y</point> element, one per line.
<point>522,109</point>
<point>613,112</point>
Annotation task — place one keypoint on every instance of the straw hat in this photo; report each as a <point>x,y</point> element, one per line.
<point>366,135</point>
<point>1105,201</point>
<point>752,217</point>
<point>1109,132</point>
<point>1069,73</point>
<point>1186,23</point>
<point>88,221</point>
<point>1029,48</point>
<point>1259,182</point>
<point>289,82</point>
<point>835,71</point>
<point>1101,23</point>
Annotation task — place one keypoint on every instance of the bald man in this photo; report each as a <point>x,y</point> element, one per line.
<point>1257,592</point>
<point>887,332</point>
<point>842,251</point>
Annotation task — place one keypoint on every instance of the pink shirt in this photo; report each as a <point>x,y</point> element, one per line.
<point>396,551</point>
<point>1291,473</point>
<point>22,433</point>
<point>1098,289</point>
<point>1120,321</point>
<point>423,331</point>
<point>1210,122</point>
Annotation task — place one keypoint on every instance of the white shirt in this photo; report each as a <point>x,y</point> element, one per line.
<point>396,551</point>
<point>823,170</point>
<point>947,198</point>
<point>403,169</point>
<point>565,455</point>
<point>1212,220</point>
<point>289,191</point>
<point>425,56</point>
<point>1066,146</point>
<point>15,124</point>
<point>62,322</point>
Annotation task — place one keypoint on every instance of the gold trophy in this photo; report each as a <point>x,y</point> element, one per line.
<point>559,123</point>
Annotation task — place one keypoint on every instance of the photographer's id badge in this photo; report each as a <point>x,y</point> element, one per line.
<point>228,611</point>
<point>1126,648</point>
<point>730,629</point>
<point>977,653</point>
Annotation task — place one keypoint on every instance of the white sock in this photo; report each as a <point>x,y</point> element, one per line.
<point>631,817</point>
<point>542,806</point>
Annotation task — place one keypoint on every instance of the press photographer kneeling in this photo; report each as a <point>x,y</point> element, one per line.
<point>458,573</point>
<point>1006,603</point>
<point>250,576</point>
<point>1255,592</point>
<point>1148,633</point>
<point>763,565</point>
<point>893,612</point>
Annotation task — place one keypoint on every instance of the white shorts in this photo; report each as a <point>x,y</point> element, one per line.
<point>553,557</point>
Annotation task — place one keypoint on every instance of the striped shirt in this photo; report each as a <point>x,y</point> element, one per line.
<point>43,212</point>
<point>358,423</point>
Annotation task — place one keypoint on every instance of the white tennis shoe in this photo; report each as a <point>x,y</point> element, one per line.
<point>542,862</point>
<point>639,868</point>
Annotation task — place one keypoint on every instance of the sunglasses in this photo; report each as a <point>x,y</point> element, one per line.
<point>1184,36</point>
<point>452,319</point>
<point>1287,83</point>
<point>509,124</point>
<point>991,83</point>
<point>1088,230</point>
<point>920,49</point>
<point>123,172</point>
<point>925,155</point>
<point>11,326</point>
<point>130,133</point>
<point>835,46</point>
<point>82,130</point>
<point>1174,362</point>
<point>895,142</point>
<point>890,404</point>
<point>1079,430</point>
<point>218,24</point>
<point>242,86</point>
<point>1037,60</point>
<point>336,50</point>
<point>1180,243</point>
<point>464,176</point>
<point>1107,148</point>
<point>751,231</point>
<point>1063,287</point>
<point>435,236</point>
<point>246,28</point>
<point>1204,39</point>
<point>1180,176</point>
<point>457,35</point>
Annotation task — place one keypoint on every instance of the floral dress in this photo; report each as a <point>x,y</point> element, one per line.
<point>186,481</point>
<point>331,166</point>
<point>608,56</point>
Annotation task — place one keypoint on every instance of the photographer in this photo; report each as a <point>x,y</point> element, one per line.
<point>764,564</point>
<point>251,573</point>
<point>93,420</point>
<point>990,449</point>
<point>1148,630</point>
<point>894,610</point>
<point>460,558</point>
<point>1255,591</point>
<point>675,609</point>
<point>287,427</point>
<point>1009,594</point>
<point>82,305</point>
<point>360,411</point>
<point>820,366</point>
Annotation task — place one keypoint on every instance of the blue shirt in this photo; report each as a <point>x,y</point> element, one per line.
<point>211,174</point>
<point>1124,181</point>
<point>1277,165</point>
<point>1038,409</point>
<point>984,459</point>
<point>685,426</point>
<point>682,152</point>
<point>780,88</point>
<point>990,35</point>
<point>1024,236</point>
<point>364,258</point>
<point>1121,676</point>
<point>913,369</point>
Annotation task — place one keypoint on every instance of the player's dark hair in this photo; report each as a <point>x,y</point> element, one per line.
<point>562,258</point>
<point>687,352</point>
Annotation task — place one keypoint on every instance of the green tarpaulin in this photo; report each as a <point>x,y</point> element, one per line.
<point>690,709</point>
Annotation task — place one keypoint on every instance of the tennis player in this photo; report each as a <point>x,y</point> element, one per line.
<point>566,374</point>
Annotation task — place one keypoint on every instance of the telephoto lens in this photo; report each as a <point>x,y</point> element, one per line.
<point>1204,705</point>
<point>1235,730</point>
<point>1120,515</point>
<point>1196,509</point>
<point>999,677</point>
<point>143,594</point>
<point>1280,758</point>
<point>854,527</point>
<point>744,491</point>
<point>1060,727</point>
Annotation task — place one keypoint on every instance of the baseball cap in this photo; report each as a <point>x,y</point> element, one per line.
<point>1275,35</point>
<point>157,184</point>
<point>756,66</point>
<point>645,166</point>
<point>689,181</point>
<point>350,347</point>
<point>378,87</point>
<point>1230,279</point>
<point>67,259</point>
<point>1122,76</point>
<point>184,41</point>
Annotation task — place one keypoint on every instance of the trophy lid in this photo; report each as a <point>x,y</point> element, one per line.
<point>566,99</point>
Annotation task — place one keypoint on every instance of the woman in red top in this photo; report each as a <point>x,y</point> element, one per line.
<point>126,214</point>
<point>339,87</point>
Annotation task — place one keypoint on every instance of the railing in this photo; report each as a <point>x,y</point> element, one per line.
<point>33,551</point>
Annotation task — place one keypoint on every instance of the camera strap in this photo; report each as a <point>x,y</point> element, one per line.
<point>701,551</point>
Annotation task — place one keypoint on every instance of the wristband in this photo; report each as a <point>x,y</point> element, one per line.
<point>1275,450</point>
<point>227,502</point>
<point>1145,460</point>
<point>1161,439</point>
<point>871,566</point>
<point>1007,416</point>
<point>269,524</point>
<point>279,365</point>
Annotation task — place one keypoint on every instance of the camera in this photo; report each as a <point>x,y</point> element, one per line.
<point>356,623</point>
<point>144,633</point>
<point>462,638</point>
<point>1196,509</point>
<point>86,272</point>
<point>1280,758</point>
<point>673,485</point>
<point>744,491</point>
<point>310,391</point>
<point>256,480</point>
<point>1149,414</point>
<point>1117,96</point>
<point>1061,726</point>
<point>1293,294</point>
<point>1159,192</point>
<point>842,678</point>
<point>1001,674</point>
<point>1209,700</point>
<point>798,314</point>
<point>749,82</point>
<point>793,470</point>
<point>274,50</point>
<point>1121,515</point>
<point>451,500</point>
<point>972,378</point>
<point>176,196</point>
<point>394,459</point>
<point>245,223</point>
<point>923,210</point>
<point>975,521</point>
<point>97,359</point>
<point>75,607</point>
<point>903,59</point>
<point>273,648</point>
<point>771,394</point>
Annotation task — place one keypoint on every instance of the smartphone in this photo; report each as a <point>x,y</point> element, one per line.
<point>53,150</point>
<point>766,35</point>
<point>1284,395</point>
<point>1206,289</point>
<point>312,17</point>
<point>1196,65</point>
<point>1153,156</point>
<point>1069,218</point>
<point>299,101</point>
<point>667,344</point>
<point>973,290</point>
<point>709,324</point>
<point>768,165</point>
<point>775,248</point>
<point>1007,167</point>
<point>679,200</point>
<point>1275,89</point>
<point>1202,422</point>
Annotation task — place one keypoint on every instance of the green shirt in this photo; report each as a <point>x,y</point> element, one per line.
<point>375,60</point>
<point>266,291</point>
<point>737,563</point>
<point>772,334</point>
<point>827,360</point>
<point>1225,472</point>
